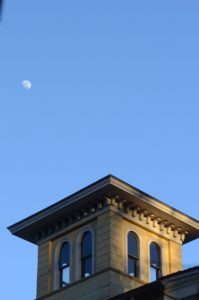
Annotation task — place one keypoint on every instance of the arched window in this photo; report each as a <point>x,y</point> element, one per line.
<point>64,264</point>
<point>155,264</point>
<point>133,255</point>
<point>86,254</point>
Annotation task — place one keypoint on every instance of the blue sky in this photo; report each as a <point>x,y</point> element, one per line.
<point>114,90</point>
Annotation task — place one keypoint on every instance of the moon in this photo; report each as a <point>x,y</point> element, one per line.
<point>27,84</point>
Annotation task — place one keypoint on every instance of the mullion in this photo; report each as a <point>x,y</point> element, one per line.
<point>85,257</point>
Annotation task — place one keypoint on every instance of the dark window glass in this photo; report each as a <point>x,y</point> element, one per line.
<point>132,244</point>
<point>87,267</point>
<point>86,254</point>
<point>87,244</point>
<point>64,264</point>
<point>132,267</point>
<point>155,255</point>
<point>133,257</point>
<point>65,254</point>
<point>155,268</point>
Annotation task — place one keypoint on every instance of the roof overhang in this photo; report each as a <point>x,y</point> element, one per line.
<point>108,186</point>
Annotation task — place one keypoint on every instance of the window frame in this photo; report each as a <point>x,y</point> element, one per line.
<point>130,257</point>
<point>61,267</point>
<point>156,268</point>
<point>86,257</point>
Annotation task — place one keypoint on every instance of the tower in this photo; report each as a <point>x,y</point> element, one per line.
<point>104,240</point>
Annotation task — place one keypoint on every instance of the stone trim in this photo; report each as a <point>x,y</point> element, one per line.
<point>148,219</point>
<point>138,214</point>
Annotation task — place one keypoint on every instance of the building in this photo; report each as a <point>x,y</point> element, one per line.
<point>111,241</point>
<point>182,285</point>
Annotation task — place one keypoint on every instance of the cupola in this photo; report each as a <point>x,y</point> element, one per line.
<point>104,240</point>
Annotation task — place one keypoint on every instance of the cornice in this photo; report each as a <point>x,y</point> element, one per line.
<point>148,220</point>
<point>149,200</point>
<point>142,217</point>
<point>108,191</point>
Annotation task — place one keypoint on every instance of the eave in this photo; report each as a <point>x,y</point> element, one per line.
<point>93,195</point>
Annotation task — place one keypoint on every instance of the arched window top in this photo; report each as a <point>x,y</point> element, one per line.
<point>155,255</point>
<point>64,264</point>
<point>132,244</point>
<point>86,254</point>
<point>155,261</point>
<point>86,244</point>
<point>133,255</point>
<point>64,258</point>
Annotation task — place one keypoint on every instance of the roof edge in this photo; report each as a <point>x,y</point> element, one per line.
<point>94,187</point>
<point>56,206</point>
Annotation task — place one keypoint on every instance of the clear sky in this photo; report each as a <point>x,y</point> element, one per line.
<point>115,89</point>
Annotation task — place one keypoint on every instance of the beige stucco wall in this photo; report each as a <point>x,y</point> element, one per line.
<point>101,285</point>
<point>44,268</point>
<point>103,242</point>
<point>175,251</point>
<point>108,241</point>
<point>146,237</point>
<point>110,231</point>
